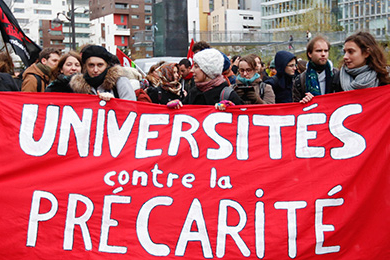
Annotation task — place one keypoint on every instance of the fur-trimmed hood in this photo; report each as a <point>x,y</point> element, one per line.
<point>79,85</point>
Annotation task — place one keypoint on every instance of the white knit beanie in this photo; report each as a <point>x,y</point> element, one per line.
<point>210,62</point>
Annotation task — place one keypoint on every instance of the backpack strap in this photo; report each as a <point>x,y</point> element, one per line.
<point>39,82</point>
<point>261,89</point>
<point>225,93</point>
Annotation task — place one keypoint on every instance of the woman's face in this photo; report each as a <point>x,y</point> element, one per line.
<point>199,75</point>
<point>353,56</point>
<point>175,73</point>
<point>245,70</point>
<point>258,65</point>
<point>71,66</point>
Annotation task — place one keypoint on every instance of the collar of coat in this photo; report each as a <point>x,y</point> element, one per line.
<point>79,85</point>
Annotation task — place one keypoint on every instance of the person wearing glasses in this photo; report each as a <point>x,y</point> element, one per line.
<point>282,82</point>
<point>249,86</point>
<point>318,77</point>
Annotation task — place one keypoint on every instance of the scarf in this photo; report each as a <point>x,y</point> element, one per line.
<point>358,78</point>
<point>95,82</point>
<point>312,82</point>
<point>166,74</point>
<point>44,68</point>
<point>248,82</point>
<point>189,76</point>
<point>207,85</point>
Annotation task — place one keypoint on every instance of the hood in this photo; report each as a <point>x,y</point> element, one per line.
<point>282,58</point>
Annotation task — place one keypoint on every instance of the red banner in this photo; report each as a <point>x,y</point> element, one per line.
<point>85,179</point>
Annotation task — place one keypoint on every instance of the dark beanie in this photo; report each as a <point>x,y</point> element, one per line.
<point>96,51</point>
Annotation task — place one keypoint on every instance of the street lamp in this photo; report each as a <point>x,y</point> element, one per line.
<point>57,20</point>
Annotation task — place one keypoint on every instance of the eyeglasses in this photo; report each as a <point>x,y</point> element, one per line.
<point>248,70</point>
<point>292,65</point>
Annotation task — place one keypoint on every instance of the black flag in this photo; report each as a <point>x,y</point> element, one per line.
<point>13,34</point>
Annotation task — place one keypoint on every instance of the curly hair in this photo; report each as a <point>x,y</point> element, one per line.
<point>376,59</point>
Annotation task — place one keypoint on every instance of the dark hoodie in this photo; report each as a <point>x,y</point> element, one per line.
<point>282,83</point>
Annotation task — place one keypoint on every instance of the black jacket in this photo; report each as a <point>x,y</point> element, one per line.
<point>7,83</point>
<point>160,96</point>
<point>61,84</point>
<point>210,97</point>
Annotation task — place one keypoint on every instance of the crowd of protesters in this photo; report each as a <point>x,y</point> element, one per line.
<point>212,79</point>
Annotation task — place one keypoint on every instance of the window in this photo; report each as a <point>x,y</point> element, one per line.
<point>121,6</point>
<point>122,27</point>
<point>19,1</point>
<point>38,11</point>
<point>122,18</point>
<point>81,15</point>
<point>148,19</point>
<point>134,6</point>
<point>148,9</point>
<point>55,32</point>
<point>42,2</point>
<point>123,39</point>
<point>134,16</point>
<point>135,27</point>
<point>18,10</point>
<point>148,1</point>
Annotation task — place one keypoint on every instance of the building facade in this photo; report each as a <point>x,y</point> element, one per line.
<point>372,15</point>
<point>34,18</point>
<point>116,23</point>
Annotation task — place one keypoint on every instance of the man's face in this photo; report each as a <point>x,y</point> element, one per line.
<point>95,66</point>
<point>320,53</point>
<point>52,61</point>
<point>183,71</point>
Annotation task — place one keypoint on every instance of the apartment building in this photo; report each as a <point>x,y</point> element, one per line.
<point>372,15</point>
<point>115,23</point>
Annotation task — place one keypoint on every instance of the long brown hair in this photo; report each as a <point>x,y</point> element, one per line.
<point>56,71</point>
<point>376,59</point>
<point>6,64</point>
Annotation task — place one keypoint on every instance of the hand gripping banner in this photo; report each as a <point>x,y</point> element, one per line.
<point>86,179</point>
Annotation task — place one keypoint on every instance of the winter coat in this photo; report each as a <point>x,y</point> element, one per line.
<point>210,97</point>
<point>113,83</point>
<point>30,82</point>
<point>282,83</point>
<point>266,95</point>
<point>299,88</point>
<point>61,84</point>
<point>161,96</point>
<point>7,83</point>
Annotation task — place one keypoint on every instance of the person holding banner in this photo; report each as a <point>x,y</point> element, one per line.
<point>211,86</point>
<point>101,77</point>
<point>364,65</point>
<point>170,87</point>
<point>69,65</point>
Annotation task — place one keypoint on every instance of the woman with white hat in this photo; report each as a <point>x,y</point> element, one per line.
<point>211,86</point>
